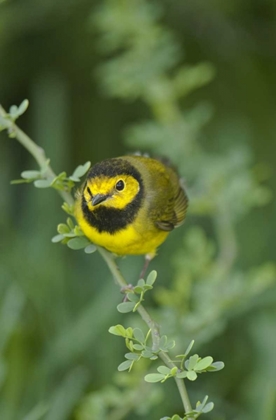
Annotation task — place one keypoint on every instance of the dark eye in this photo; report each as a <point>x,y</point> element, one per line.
<point>89,191</point>
<point>120,185</point>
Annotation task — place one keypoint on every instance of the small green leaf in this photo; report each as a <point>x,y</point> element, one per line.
<point>129,344</point>
<point>23,107</point>
<point>132,297</point>
<point>154,377</point>
<point>138,347</point>
<point>203,363</point>
<point>216,366</point>
<point>125,307</point>
<point>147,287</point>
<point>141,283</point>
<point>117,330</point>
<point>13,111</point>
<point>60,177</point>
<point>129,332</point>
<point>70,223</point>
<point>89,249</point>
<point>208,407</point>
<point>43,183</point>
<point>20,181</point>
<point>77,231</point>
<point>182,375</point>
<point>63,228</point>
<point>81,170</point>
<point>138,290</point>
<point>147,354</point>
<point>189,348</point>
<point>151,277</point>
<point>200,405</point>
<point>170,345</point>
<point>164,370</point>
<point>174,371</point>
<point>125,365</point>
<point>57,238</point>
<point>30,174</point>
<point>132,356</point>
<point>191,375</point>
<point>191,362</point>
<point>68,208</point>
<point>74,178</point>
<point>163,344</point>
<point>78,243</point>
<point>139,335</point>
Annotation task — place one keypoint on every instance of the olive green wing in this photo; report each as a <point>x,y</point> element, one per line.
<point>175,212</point>
<point>180,207</point>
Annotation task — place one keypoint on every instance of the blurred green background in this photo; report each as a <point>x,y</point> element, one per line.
<point>192,80</point>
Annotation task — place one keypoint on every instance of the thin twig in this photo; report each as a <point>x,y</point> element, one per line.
<point>120,280</point>
<point>36,151</point>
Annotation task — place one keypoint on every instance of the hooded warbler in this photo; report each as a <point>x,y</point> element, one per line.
<point>129,204</point>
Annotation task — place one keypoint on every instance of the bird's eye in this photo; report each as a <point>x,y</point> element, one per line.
<point>120,185</point>
<point>89,191</point>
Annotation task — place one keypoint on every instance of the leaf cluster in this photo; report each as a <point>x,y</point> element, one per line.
<point>61,182</point>
<point>201,408</point>
<point>134,296</point>
<point>11,116</point>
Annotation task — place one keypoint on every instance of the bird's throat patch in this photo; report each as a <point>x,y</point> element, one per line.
<point>112,220</point>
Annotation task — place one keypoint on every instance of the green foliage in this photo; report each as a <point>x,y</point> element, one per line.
<point>14,113</point>
<point>137,342</point>
<point>135,295</point>
<point>201,408</point>
<point>61,182</point>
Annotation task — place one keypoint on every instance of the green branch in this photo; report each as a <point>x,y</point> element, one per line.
<point>40,157</point>
<point>37,152</point>
<point>153,326</point>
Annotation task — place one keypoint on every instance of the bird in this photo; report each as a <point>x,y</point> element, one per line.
<point>130,204</point>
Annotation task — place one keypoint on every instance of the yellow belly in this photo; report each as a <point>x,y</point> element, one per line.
<point>133,240</point>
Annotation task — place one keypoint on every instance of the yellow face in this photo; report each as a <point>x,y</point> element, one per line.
<point>116,192</point>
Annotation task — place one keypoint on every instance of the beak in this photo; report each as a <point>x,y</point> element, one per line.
<point>99,198</point>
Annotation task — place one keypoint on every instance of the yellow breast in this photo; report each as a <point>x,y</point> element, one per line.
<point>133,240</point>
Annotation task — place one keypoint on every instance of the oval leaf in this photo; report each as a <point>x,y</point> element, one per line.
<point>81,170</point>
<point>191,375</point>
<point>203,363</point>
<point>164,370</point>
<point>138,347</point>
<point>43,183</point>
<point>57,238</point>
<point>154,377</point>
<point>117,330</point>
<point>208,407</point>
<point>125,365</point>
<point>216,366</point>
<point>151,277</point>
<point>139,335</point>
<point>89,249</point>
<point>30,174</point>
<point>78,243</point>
<point>182,375</point>
<point>23,107</point>
<point>192,361</point>
<point>125,307</point>
<point>132,356</point>
<point>63,228</point>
